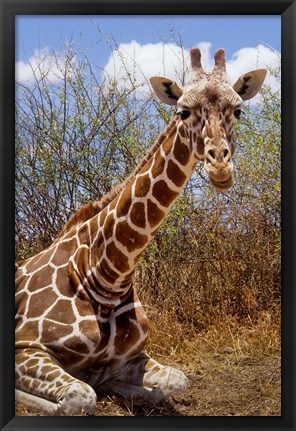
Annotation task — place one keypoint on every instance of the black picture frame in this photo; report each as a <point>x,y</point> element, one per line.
<point>9,10</point>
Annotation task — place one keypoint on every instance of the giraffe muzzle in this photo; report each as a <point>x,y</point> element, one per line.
<point>219,166</point>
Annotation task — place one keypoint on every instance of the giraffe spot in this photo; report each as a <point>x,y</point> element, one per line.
<point>84,308</point>
<point>35,384</point>
<point>107,272</point>
<point>40,302</point>
<point>102,218</point>
<point>76,344</point>
<point>167,146</point>
<point>39,260</point>
<point>175,174</point>
<point>128,326</point>
<point>155,215</point>
<point>94,226</point>
<point>90,329</point>
<point>181,152</point>
<point>163,193</point>
<point>32,372</point>
<point>28,332</point>
<point>41,279</point>
<point>62,312</point>
<point>181,131</point>
<point>53,331</point>
<point>142,187</point>
<point>117,258</point>
<point>20,302</point>
<point>158,166</point>
<point>137,214</point>
<point>105,337</point>
<point>129,237</point>
<point>147,166</point>
<point>53,376</point>
<point>124,202</point>
<point>200,147</point>
<point>31,363</point>
<point>63,282</point>
<point>109,226</point>
<point>82,261</point>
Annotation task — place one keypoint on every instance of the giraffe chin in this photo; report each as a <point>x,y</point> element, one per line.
<point>222,185</point>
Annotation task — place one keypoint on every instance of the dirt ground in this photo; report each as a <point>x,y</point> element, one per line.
<point>221,385</point>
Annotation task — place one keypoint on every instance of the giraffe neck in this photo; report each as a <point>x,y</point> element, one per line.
<point>123,229</point>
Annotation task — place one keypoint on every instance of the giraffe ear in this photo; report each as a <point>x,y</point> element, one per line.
<point>248,85</point>
<point>167,90</point>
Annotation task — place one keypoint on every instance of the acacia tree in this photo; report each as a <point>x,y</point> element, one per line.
<point>75,139</point>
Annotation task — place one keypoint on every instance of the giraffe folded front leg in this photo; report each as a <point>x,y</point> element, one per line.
<point>42,385</point>
<point>164,380</point>
<point>143,377</point>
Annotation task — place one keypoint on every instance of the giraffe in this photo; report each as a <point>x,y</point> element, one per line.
<point>79,323</point>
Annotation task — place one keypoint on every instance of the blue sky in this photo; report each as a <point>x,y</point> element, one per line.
<point>250,42</point>
<point>229,32</point>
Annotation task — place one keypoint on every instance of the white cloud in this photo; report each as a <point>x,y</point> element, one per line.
<point>136,63</point>
<point>44,63</point>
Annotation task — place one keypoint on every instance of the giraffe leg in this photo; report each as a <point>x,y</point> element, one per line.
<point>42,385</point>
<point>144,377</point>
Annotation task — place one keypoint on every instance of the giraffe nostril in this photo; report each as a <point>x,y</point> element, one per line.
<point>211,153</point>
<point>226,153</point>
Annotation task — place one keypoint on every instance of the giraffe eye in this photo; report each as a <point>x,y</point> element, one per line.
<point>237,113</point>
<point>184,113</point>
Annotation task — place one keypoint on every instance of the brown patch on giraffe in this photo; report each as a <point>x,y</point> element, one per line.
<point>40,259</point>
<point>113,203</point>
<point>200,146</point>
<point>137,214</point>
<point>53,331</point>
<point>28,332</point>
<point>158,166</point>
<point>175,174</point>
<point>75,343</point>
<point>20,357</point>
<point>62,282</point>
<point>82,261</point>
<point>181,152</point>
<point>142,187</point>
<point>147,166</point>
<point>167,147</point>
<point>163,193</point>
<point>94,227</point>
<point>32,372</point>
<point>84,235</point>
<point>105,337</point>
<point>41,279</point>
<point>181,130</point>
<point>127,333</point>
<point>52,376</point>
<point>40,302</point>
<point>102,216</point>
<point>118,259</point>
<point>129,237</point>
<point>20,302</point>
<point>90,329</point>
<point>155,215</point>
<point>124,202</point>
<point>84,307</point>
<point>62,312</point>
<point>32,363</point>
<point>109,226</point>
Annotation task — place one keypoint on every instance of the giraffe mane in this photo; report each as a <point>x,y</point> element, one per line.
<point>92,208</point>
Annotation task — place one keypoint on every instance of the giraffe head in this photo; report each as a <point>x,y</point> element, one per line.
<point>209,107</point>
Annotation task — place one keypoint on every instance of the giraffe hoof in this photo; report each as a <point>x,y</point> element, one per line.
<point>76,399</point>
<point>167,381</point>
